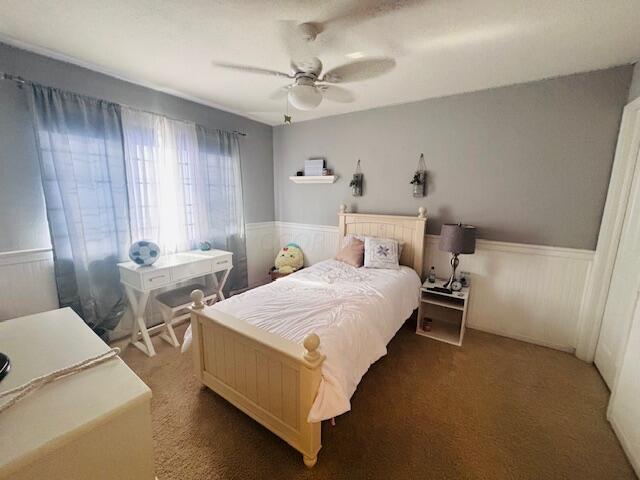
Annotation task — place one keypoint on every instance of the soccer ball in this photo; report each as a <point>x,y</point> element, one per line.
<point>144,252</point>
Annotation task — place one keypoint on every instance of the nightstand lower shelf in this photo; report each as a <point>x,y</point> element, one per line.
<point>445,313</point>
<point>443,331</point>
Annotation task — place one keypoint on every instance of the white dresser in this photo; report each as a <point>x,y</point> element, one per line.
<point>95,424</point>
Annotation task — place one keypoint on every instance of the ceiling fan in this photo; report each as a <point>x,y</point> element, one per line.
<point>310,85</point>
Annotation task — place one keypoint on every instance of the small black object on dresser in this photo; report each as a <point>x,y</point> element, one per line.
<point>5,365</point>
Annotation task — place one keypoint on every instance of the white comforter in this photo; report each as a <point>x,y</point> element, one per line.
<point>354,311</point>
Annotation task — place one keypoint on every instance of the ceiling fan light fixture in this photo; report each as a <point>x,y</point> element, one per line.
<point>304,97</point>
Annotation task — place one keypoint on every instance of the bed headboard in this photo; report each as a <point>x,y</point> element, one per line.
<point>409,230</point>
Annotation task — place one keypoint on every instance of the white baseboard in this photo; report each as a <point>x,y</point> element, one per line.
<point>629,451</point>
<point>27,283</point>
<point>523,338</point>
<point>531,293</point>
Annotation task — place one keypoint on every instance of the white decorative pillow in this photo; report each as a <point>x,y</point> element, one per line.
<point>381,253</point>
<point>346,240</point>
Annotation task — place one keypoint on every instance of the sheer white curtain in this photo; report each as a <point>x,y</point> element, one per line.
<point>185,186</point>
<point>161,157</point>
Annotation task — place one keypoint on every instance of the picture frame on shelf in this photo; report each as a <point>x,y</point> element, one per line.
<point>314,167</point>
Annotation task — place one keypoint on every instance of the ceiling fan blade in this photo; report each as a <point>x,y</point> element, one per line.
<point>297,43</point>
<point>249,69</point>
<point>359,70</point>
<point>280,93</point>
<point>342,26</point>
<point>349,14</point>
<point>336,94</point>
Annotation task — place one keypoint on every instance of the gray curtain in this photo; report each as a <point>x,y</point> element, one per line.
<point>218,190</point>
<point>83,176</point>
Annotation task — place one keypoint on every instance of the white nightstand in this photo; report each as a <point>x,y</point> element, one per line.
<point>446,313</point>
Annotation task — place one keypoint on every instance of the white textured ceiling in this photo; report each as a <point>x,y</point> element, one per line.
<point>442,47</point>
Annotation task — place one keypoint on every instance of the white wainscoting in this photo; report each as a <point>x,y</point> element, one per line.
<point>261,251</point>
<point>318,242</point>
<point>27,283</point>
<point>528,292</point>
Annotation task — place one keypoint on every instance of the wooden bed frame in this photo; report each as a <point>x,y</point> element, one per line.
<point>271,379</point>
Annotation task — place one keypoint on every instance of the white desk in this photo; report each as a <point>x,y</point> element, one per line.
<point>140,281</point>
<point>94,424</point>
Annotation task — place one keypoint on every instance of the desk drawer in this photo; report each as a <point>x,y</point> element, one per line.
<point>222,263</point>
<point>153,280</point>
<point>190,270</point>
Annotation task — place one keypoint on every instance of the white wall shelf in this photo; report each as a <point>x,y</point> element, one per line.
<point>314,179</point>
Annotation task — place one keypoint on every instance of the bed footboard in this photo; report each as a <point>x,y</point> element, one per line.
<point>271,379</point>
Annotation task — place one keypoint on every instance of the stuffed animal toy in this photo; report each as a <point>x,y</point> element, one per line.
<point>289,258</point>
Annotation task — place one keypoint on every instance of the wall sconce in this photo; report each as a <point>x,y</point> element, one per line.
<point>356,181</point>
<point>419,180</point>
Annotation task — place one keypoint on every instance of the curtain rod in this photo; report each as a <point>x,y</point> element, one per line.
<point>21,82</point>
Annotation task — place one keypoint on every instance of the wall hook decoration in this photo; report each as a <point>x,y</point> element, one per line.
<point>356,181</point>
<point>419,180</point>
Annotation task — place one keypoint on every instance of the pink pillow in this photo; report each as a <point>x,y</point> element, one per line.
<point>352,253</point>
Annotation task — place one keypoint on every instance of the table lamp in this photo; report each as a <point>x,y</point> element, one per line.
<point>457,239</point>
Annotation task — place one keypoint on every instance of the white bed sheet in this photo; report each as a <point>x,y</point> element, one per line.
<point>354,311</point>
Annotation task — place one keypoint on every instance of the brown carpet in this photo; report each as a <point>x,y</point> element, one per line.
<point>494,409</point>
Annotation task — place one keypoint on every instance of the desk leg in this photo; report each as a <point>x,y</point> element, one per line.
<point>138,306</point>
<point>219,284</point>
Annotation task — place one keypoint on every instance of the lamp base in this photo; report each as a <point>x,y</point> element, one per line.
<point>454,266</point>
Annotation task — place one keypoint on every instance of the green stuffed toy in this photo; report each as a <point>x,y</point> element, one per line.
<point>289,258</point>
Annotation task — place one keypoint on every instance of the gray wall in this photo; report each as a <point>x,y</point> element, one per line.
<point>23,223</point>
<point>527,163</point>
<point>634,90</point>
<point>22,218</point>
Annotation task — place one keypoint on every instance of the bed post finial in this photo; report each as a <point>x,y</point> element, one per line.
<point>311,343</point>
<point>422,212</point>
<point>197,296</point>
<point>343,208</point>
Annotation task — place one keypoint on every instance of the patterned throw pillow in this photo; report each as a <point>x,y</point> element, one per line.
<point>346,240</point>
<point>381,253</point>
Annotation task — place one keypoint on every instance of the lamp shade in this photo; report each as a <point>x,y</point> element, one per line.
<point>458,238</point>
